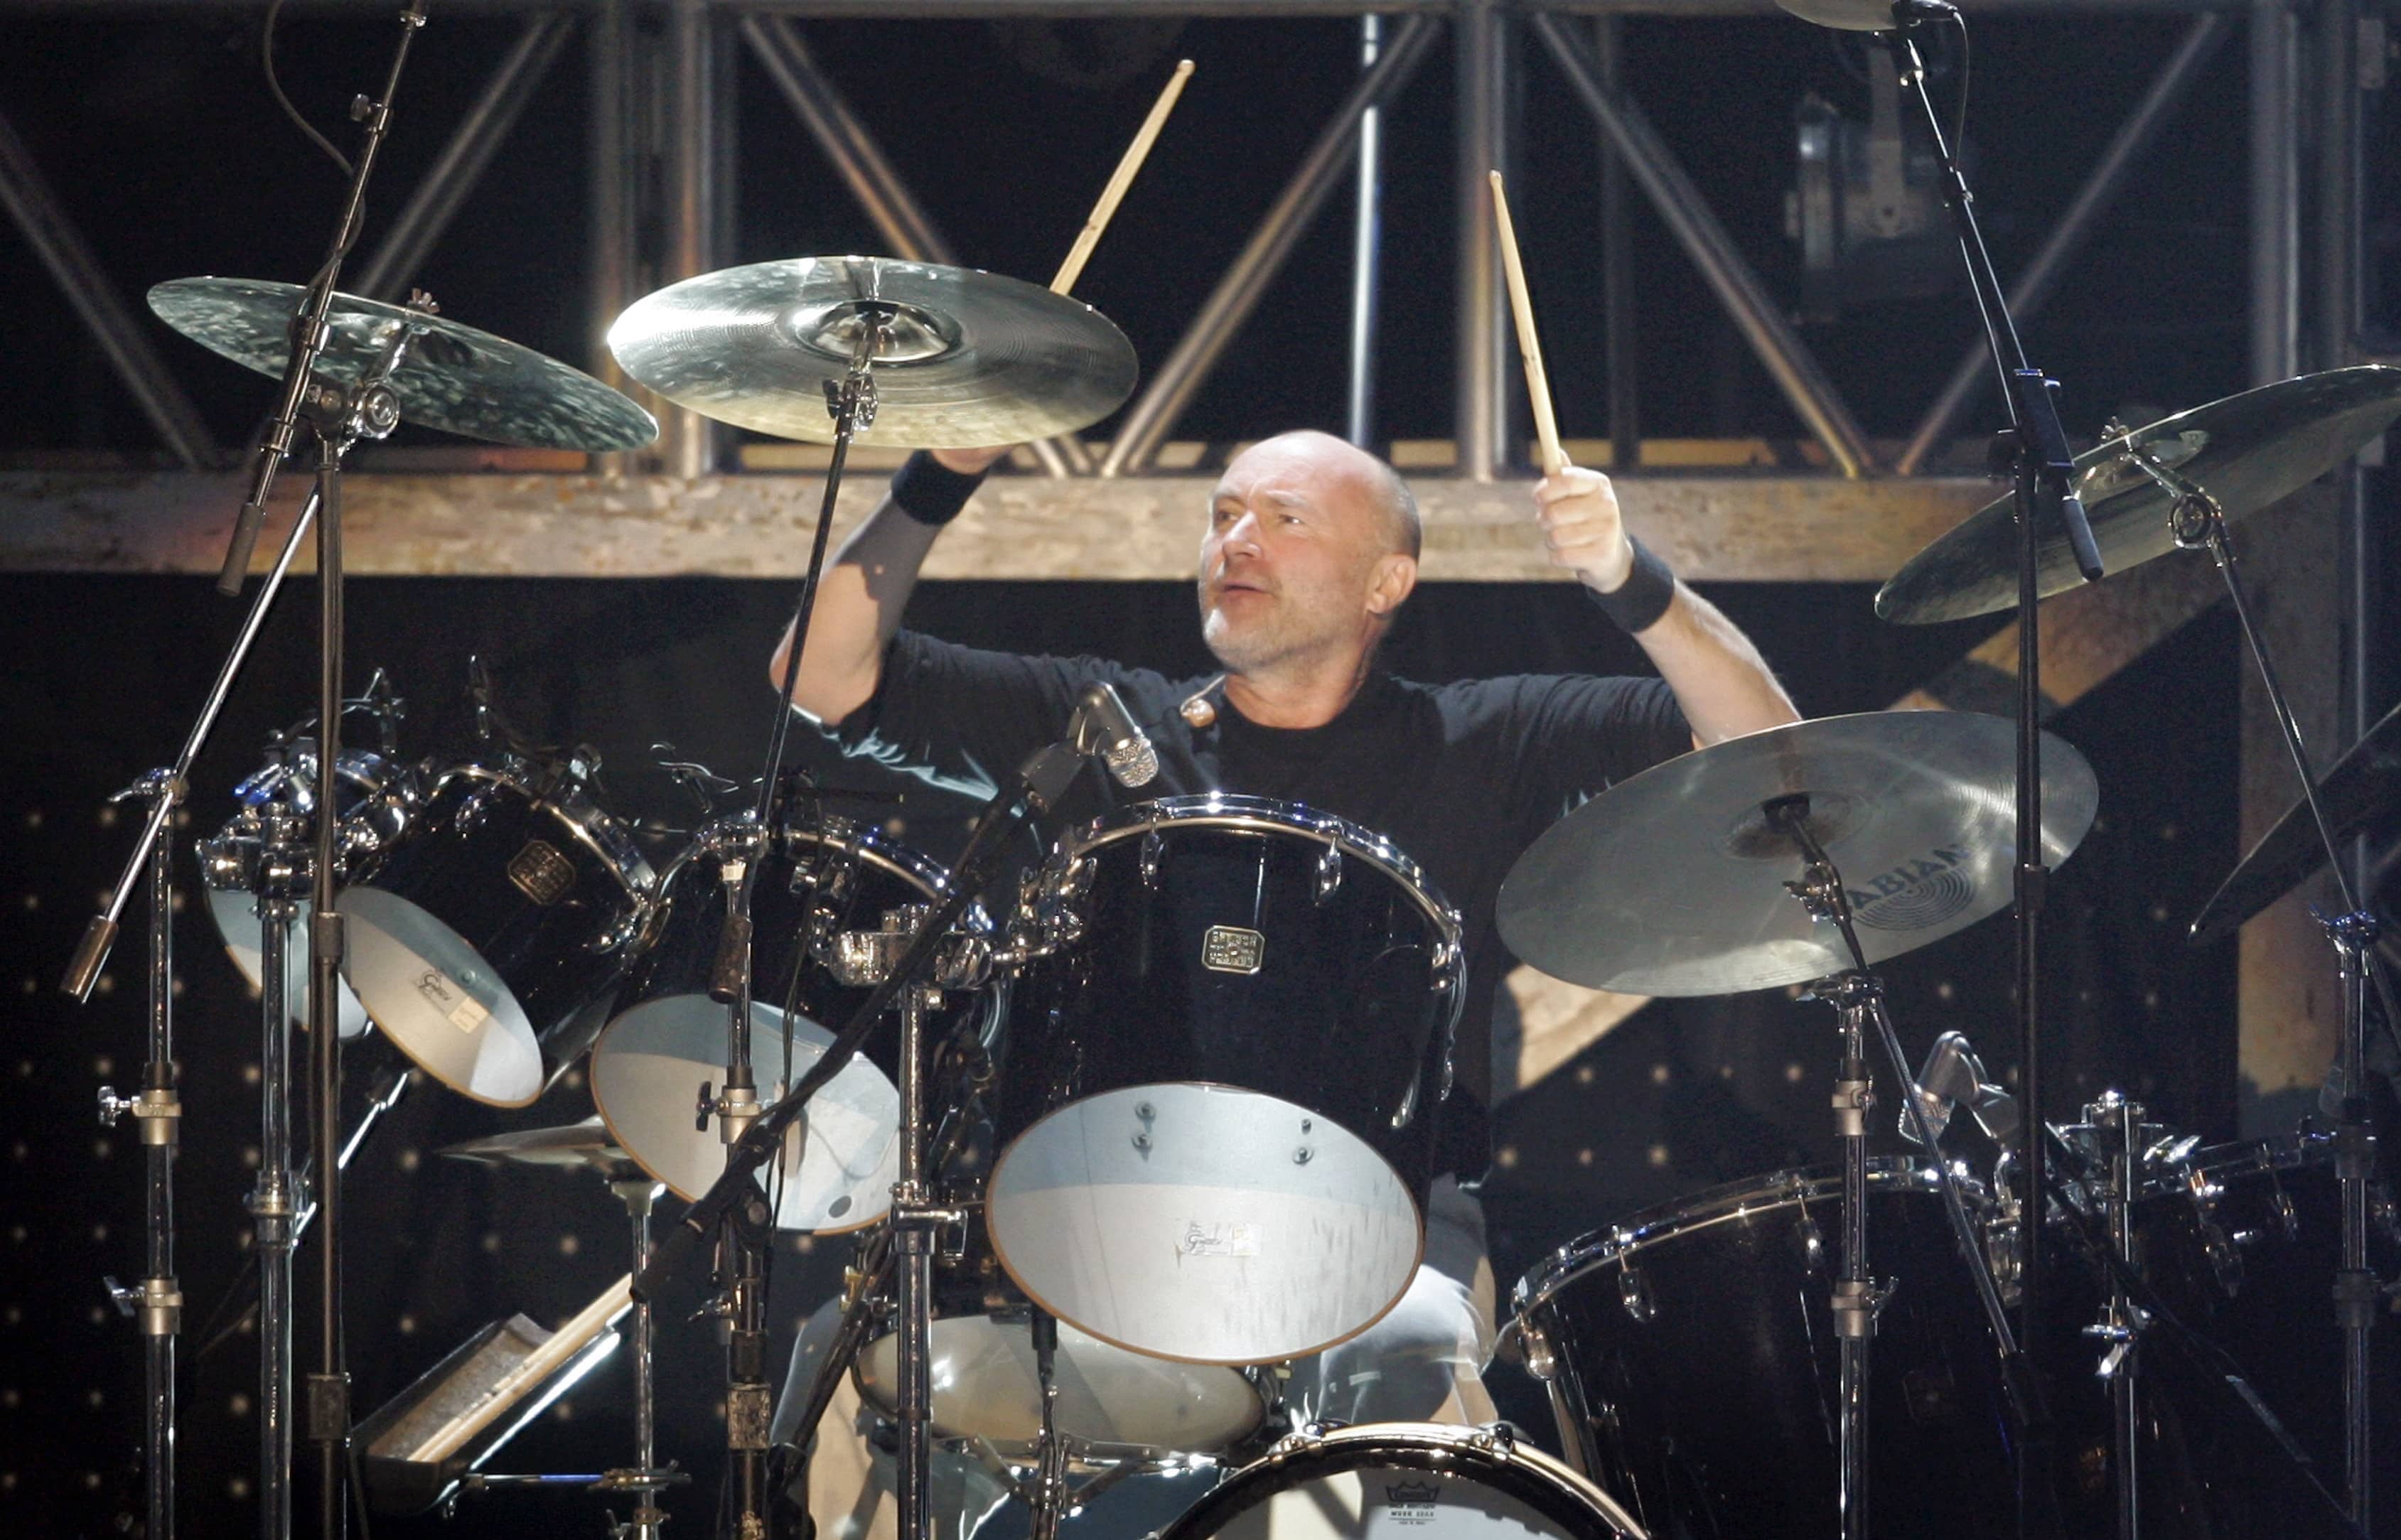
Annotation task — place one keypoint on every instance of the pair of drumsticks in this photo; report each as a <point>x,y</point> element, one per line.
<point>1538,384</point>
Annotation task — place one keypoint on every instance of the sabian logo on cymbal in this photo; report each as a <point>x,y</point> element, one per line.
<point>1916,893</point>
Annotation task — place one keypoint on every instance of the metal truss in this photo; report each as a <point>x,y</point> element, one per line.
<point>660,139</point>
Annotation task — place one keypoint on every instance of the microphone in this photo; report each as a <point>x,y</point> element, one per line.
<point>1953,1075</point>
<point>1103,725</point>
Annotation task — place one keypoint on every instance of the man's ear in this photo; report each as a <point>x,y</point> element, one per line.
<point>1396,577</point>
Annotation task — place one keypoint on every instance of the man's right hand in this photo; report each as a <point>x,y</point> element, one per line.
<point>966,462</point>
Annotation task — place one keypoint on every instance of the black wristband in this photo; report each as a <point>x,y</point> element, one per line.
<point>929,491</point>
<point>1637,603</point>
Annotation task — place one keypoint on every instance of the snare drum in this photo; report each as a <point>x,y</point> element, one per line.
<point>482,939</point>
<point>1692,1367</point>
<point>669,1038</point>
<point>372,798</point>
<point>1226,1058</point>
<point>1405,1481</point>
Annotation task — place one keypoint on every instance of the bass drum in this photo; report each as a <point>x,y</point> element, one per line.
<point>373,799</point>
<point>1692,1364</point>
<point>1405,1481</point>
<point>1226,1058</point>
<point>484,939</point>
<point>669,1037</point>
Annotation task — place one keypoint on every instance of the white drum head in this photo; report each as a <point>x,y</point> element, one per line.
<point>839,1162</point>
<point>1110,1401</point>
<point>235,912</point>
<point>1122,1214</point>
<point>436,999</point>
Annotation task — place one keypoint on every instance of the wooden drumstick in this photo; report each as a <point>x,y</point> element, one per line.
<point>1089,235</point>
<point>1529,347</point>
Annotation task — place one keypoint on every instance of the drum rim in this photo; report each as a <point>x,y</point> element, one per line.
<point>905,862</point>
<point>1268,814</point>
<point>1440,1448</point>
<point>595,826</point>
<point>1710,1207</point>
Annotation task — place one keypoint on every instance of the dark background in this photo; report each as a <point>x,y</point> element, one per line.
<point>156,131</point>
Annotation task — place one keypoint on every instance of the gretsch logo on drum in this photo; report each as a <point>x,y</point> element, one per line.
<point>1218,1240</point>
<point>1916,893</point>
<point>541,873</point>
<point>1231,949</point>
<point>1412,1502</point>
<point>460,1008</point>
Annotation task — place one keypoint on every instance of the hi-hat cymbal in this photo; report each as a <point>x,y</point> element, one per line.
<point>1672,882</point>
<point>2364,783</point>
<point>2246,451</point>
<point>972,358</point>
<point>452,377</point>
<point>569,1146</point>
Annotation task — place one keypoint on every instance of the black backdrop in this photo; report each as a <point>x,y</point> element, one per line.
<point>108,671</point>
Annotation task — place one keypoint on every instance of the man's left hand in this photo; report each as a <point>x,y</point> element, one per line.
<point>1578,511</point>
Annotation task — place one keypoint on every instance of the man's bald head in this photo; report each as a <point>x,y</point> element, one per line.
<point>1345,462</point>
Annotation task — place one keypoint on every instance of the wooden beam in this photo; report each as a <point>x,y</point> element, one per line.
<point>1711,528</point>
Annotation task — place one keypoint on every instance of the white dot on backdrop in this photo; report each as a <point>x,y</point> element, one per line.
<point>410,1160</point>
<point>492,1240</point>
<point>407,1325</point>
<point>238,1487</point>
<point>1658,1154</point>
<point>92,1481</point>
<point>238,1405</point>
<point>1584,1074</point>
<point>1584,1157</point>
<point>569,1246</point>
<point>1792,1073</point>
<point>1658,1074</point>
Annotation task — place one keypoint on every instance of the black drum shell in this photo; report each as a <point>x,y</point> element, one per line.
<point>1707,1404</point>
<point>558,957</point>
<point>810,885</point>
<point>1349,1014</point>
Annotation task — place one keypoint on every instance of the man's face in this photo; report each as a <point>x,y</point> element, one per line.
<point>1289,564</point>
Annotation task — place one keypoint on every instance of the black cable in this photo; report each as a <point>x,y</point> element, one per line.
<point>266,59</point>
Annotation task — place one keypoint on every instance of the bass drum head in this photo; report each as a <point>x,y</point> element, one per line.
<point>1112,1404</point>
<point>1405,1481</point>
<point>839,1162</point>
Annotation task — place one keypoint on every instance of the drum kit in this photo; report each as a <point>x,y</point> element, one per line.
<point>1059,1168</point>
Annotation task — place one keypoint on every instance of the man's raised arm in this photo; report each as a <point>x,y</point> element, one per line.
<point>1724,687</point>
<point>868,583</point>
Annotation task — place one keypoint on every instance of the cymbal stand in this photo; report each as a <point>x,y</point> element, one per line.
<point>281,880</point>
<point>644,1480</point>
<point>749,1397</point>
<point>2198,522</point>
<point>2044,476</point>
<point>1858,997</point>
<point>157,1302</point>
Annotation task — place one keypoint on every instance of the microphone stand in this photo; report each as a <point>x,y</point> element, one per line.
<point>750,1397</point>
<point>2043,474</point>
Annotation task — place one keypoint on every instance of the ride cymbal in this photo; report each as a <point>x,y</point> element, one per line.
<point>2247,451</point>
<point>452,377</point>
<point>970,358</point>
<point>1673,882</point>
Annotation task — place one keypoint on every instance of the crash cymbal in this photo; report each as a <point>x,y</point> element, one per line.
<point>2364,783</point>
<point>566,1147</point>
<point>2246,451</point>
<point>1672,882</point>
<point>453,377</point>
<point>973,359</point>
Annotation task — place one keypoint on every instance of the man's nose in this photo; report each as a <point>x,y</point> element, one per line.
<point>1244,535</point>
